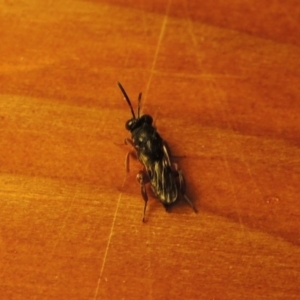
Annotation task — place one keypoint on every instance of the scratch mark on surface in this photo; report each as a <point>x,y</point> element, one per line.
<point>161,34</point>
<point>203,75</point>
<point>108,244</point>
<point>152,72</point>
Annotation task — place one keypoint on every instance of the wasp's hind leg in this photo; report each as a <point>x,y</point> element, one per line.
<point>182,187</point>
<point>142,178</point>
<point>131,153</point>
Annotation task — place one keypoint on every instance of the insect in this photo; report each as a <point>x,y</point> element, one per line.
<point>166,180</point>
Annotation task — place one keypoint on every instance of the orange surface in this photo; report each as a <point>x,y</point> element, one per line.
<point>221,80</point>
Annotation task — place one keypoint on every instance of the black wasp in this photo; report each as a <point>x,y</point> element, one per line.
<point>165,179</point>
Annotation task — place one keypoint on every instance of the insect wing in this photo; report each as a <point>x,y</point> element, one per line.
<point>163,182</point>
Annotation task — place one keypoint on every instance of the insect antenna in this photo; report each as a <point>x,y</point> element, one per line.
<point>139,104</point>
<point>127,99</point>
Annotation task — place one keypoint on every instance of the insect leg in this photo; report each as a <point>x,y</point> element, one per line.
<point>142,181</point>
<point>129,142</point>
<point>182,187</point>
<point>130,153</point>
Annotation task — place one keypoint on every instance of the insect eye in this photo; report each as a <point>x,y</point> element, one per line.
<point>132,124</point>
<point>129,124</point>
<point>147,119</point>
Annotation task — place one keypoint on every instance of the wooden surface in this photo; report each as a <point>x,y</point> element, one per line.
<point>221,79</point>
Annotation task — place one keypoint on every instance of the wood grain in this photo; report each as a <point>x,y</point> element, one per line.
<point>222,82</point>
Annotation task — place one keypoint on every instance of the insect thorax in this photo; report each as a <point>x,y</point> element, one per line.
<point>148,142</point>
